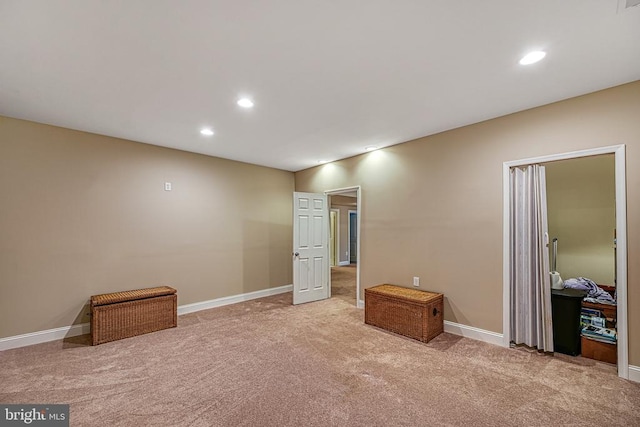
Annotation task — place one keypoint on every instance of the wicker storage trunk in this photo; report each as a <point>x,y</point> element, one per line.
<point>410,312</point>
<point>126,314</point>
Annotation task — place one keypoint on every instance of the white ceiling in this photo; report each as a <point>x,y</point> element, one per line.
<point>328,77</point>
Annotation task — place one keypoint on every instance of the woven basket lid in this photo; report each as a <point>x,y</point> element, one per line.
<point>405,293</point>
<point>133,295</point>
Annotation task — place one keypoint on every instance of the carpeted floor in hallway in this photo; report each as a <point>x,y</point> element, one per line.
<point>343,283</point>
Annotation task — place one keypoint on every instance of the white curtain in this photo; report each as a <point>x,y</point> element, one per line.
<point>531,322</point>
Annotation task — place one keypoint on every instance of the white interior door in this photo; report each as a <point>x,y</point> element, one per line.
<point>310,248</point>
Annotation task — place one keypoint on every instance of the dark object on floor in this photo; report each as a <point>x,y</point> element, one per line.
<point>126,314</point>
<point>410,312</point>
<point>566,307</point>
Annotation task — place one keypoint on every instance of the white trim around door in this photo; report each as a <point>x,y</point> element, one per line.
<point>621,227</point>
<point>336,243</point>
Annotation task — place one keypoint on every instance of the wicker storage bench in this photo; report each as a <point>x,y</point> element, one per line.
<point>410,312</point>
<point>126,314</point>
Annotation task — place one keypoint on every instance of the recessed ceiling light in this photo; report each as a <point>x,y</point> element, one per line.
<point>370,148</point>
<point>321,162</point>
<point>245,102</point>
<point>206,131</point>
<point>532,57</point>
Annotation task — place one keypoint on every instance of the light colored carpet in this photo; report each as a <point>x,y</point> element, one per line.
<point>268,363</point>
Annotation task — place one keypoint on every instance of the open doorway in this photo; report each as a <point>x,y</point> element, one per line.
<point>619,271</point>
<point>353,236</point>
<point>345,270</point>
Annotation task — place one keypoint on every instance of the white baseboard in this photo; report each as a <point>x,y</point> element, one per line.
<point>473,333</point>
<point>219,302</point>
<point>634,373</point>
<point>44,336</point>
<point>343,263</point>
<point>85,328</point>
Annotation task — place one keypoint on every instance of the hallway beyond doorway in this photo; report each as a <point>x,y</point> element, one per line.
<point>343,283</point>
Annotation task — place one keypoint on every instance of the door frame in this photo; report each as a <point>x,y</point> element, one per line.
<point>336,242</point>
<point>358,190</point>
<point>621,243</point>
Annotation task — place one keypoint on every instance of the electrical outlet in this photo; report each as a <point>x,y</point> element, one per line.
<point>416,281</point>
<point>167,186</point>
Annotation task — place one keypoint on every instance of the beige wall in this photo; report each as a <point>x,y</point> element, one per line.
<point>433,207</point>
<point>83,214</point>
<point>581,200</point>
